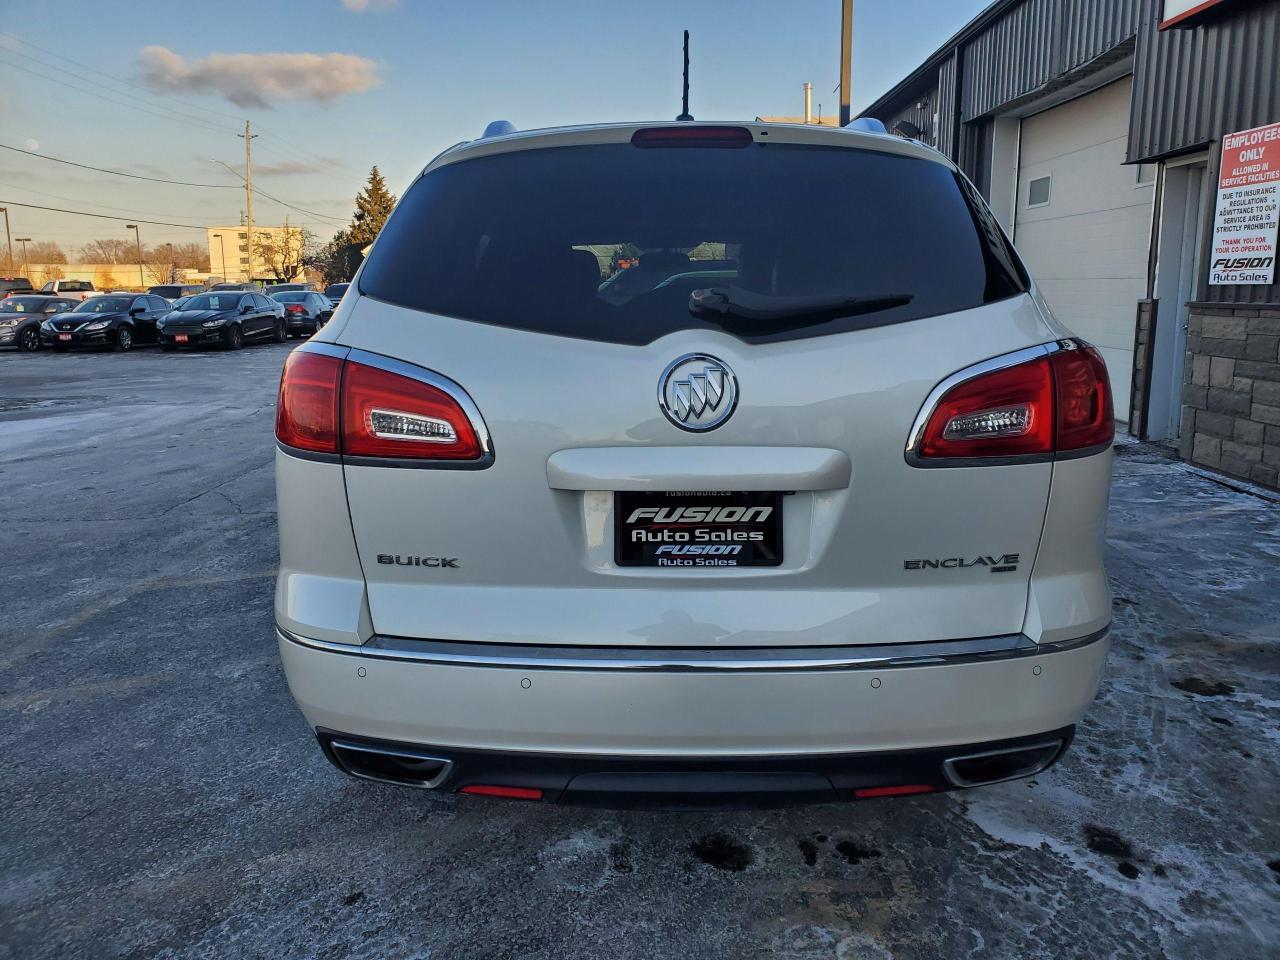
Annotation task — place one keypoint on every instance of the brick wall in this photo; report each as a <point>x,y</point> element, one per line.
<point>1231,393</point>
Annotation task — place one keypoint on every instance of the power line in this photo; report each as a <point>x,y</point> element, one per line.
<point>104,206</point>
<point>119,173</point>
<point>156,94</point>
<point>262,193</point>
<point>103,216</point>
<point>27,71</point>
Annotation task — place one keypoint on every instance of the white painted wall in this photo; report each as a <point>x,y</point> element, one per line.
<point>1087,248</point>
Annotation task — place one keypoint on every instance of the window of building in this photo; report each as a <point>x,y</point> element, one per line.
<point>243,236</point>
<point>1038,191</point>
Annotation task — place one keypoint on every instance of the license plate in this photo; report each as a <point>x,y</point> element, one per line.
<point>697,530</point>
<point>64,336</point>
<point>180,338</point>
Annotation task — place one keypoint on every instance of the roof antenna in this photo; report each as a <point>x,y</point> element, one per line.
<point>684,114</point>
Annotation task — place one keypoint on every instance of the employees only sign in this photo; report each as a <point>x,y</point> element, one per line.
<point>1248,210</point>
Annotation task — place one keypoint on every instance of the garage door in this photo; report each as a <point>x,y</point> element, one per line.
<point>1083,222</point>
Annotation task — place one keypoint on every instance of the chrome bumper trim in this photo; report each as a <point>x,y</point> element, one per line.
<point>700,660</point>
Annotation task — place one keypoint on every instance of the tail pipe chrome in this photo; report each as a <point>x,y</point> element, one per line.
<point>997,766</point>
<point>404,768</point>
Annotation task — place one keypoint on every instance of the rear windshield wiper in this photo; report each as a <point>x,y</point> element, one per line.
<point>766,312</point>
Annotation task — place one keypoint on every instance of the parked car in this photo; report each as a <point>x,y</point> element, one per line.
<point>21,316</point>
<point>274,288</point>
<point>830,530</point>
<point>244,285</point>
<point>172,291</point>
<point>10,285</point>
<point>79,289</point>
<point>225,318</point>
<point>114,320</point>
<point>305,311</point>
<point>336,291</point>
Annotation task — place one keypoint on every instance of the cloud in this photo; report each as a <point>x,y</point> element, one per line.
<point>361,6</point>
<point>258,79</point>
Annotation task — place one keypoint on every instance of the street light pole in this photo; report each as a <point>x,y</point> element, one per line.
<point>846,59</point>
<point>8,236</point>
<point>173,267</point>
<point>26,264</point>
<point>137,236</point>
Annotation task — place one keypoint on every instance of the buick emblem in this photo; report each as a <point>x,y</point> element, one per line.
<point>697,392</point>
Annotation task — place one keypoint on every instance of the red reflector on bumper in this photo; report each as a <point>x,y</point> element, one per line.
<point>901,790</point>
<point>513,793</point>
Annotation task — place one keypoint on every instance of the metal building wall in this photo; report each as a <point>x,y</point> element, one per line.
<point>948,98</point>
<point>1192,86</point>
<point>919,111</point>
<point>1089,28</point>
<point>1010,58</point>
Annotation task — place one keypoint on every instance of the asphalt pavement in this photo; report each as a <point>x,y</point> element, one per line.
<point>162,796</point>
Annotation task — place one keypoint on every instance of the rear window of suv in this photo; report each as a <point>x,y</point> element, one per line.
<point>610,242</point>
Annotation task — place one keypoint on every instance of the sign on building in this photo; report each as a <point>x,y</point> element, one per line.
<point>1175,12</point>
<point>1248,210</point>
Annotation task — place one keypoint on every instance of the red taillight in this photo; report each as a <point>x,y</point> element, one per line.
<point>901,790</point>
<point>387,415</point>
<point>692,136</point>
<point>1086,417</point>
<point>336,406</point>
<point>307,410</point>
<point>1050,404</point>
<point>294,308</point>
<point>512,793</point>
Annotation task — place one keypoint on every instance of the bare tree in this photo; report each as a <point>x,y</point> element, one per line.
<point>46,251</point>
<point>191,256</point>
<point>51,271</point>
<point>109,250</point>
<point>286,252</point>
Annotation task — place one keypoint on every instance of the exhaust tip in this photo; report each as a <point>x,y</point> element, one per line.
<point>404,768</point>
<point>996,766</point>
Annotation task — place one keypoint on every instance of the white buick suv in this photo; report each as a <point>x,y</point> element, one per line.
<point>693,464</point>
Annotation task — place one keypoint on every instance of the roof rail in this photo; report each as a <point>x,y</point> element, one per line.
<point>866,125</point>
<point>497,128</point>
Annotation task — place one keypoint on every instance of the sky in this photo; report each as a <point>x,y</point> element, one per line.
<point>333,87</point>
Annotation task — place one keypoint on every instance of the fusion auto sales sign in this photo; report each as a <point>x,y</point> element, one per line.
<point>1248,211</point>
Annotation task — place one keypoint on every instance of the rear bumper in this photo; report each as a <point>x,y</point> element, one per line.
<point>692,711</point>
<point>690,784</point>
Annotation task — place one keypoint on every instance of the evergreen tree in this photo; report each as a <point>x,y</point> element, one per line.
<point>373,206</point>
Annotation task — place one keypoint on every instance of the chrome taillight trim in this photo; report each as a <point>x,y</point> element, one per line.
<point>412,372</point>
<point>916,434</point>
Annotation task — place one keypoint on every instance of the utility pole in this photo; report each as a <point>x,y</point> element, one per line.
<point>248,195</point>
<point>137,236</point>
<point>26,264</point>
<point>846,59</point>
<point>8,236</point>
<point>222,245</point>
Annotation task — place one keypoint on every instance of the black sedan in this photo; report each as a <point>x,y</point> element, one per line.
<point>119,320</point>
<point>335,291</point>
<point>305,310</point>
<point>226,318</point>
<point>20,319</point>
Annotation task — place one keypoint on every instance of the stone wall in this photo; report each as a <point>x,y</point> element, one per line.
<point>1231,394</point>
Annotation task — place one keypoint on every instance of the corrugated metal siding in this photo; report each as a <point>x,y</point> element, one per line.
<point>1012,57</point>
<point>1192,86</point>
<point>920,112</point>
<point>948,76</point>
<point>1089,28</point>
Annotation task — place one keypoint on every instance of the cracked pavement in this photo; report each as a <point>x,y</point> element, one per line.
<point>164,798</point>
